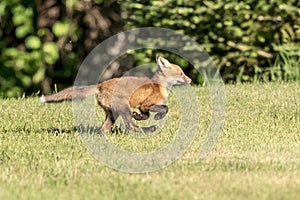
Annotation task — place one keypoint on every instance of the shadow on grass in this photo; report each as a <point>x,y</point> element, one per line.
<point>50,130</point>
<point>58,131</point>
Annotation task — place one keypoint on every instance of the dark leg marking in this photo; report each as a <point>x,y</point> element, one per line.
<point>141,116</point>
<point>161,111</point>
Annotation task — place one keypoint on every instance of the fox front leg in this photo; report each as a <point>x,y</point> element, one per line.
<point>161,111</point>
<point>141,116</point>
<point>126,116</point>
<point>131,126</point>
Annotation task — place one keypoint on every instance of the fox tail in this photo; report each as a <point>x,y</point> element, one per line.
<point>71,93</point>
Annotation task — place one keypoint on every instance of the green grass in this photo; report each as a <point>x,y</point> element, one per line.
<point>256,157</point>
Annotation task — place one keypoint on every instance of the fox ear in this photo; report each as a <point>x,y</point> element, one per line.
<point>162,62</point>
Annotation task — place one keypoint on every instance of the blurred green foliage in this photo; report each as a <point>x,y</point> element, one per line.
<point>244,38</point>
<point>42,43</point>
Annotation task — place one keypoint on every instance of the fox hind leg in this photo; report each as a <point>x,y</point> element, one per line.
<point>109,121</point>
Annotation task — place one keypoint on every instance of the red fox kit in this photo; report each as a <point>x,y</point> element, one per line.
<point>118,95</point>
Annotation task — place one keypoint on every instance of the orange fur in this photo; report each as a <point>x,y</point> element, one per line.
<point>118,96</point>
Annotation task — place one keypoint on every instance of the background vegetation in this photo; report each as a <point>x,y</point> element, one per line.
<point>43,42</point>
<point>248,40</point>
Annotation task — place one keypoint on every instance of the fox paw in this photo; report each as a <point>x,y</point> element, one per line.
<point>159,116</point>
<point>149,129</point>
<point>138,116</point>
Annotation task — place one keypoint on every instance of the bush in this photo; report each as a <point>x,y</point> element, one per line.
<point>43,42</point>
<point>244,38</point>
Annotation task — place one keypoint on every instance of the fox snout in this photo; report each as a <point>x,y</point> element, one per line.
<point>182,80</point>
<point>185,80</point>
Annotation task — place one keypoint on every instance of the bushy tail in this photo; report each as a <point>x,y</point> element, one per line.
<point>69,94</point>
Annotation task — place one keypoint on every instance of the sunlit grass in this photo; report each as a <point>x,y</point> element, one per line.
<point>256,156</point>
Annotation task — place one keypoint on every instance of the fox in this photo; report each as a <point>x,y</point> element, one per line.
<point>119,96</point>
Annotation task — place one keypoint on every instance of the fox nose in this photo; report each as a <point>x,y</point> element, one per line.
<point>188,80</point>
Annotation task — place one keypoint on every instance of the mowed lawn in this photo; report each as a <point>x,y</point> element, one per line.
<point>257,155</point>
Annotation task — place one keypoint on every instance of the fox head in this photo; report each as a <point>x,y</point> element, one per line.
<point>172,74</point>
